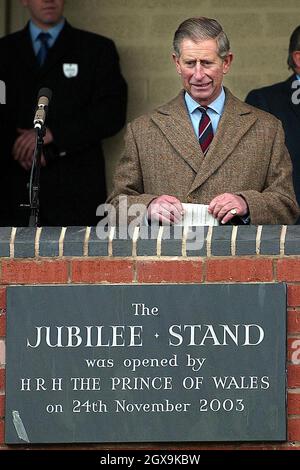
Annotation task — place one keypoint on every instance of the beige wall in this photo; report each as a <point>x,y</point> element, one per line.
<point>2,17</point>
<point>259,31</point>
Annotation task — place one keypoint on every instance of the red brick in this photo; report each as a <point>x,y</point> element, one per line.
<point>294,403</point>
<point>293,295</point>
<point>169,271</point>
<point>102,270</point>
<point>256,447</point>
<point>2,324</point>
<point>294,376</point>
<point>1,431</point>
<point>288,269</point>
<point>293,350</point>
<point>34,272</point>
<point>294,321</point>
<point>294,429</point>
<point>2,298</point>
<point>244,270</point>
<point>2,379</point>
<point>2,406</point>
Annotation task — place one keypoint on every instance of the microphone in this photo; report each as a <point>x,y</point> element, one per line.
<point>44,97</point>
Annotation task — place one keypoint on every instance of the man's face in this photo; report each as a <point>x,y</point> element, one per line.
<point>201,69</point>
<point>45,13</point>
<point>296,59</point>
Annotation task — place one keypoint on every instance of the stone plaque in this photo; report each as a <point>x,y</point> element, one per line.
<point>141,363</point>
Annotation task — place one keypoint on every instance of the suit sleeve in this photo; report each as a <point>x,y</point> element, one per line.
<point>276,204</point>
<point>128,178</point>
<point>103,114</point>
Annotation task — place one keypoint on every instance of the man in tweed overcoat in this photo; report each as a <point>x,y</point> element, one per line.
<point>245,174</point>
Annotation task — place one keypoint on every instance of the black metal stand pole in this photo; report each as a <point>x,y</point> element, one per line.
<point>35,178</point>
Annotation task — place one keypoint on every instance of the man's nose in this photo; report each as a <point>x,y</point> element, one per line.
<point>199,71</point>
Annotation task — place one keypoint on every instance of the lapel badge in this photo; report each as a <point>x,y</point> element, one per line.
<point>70,70</point>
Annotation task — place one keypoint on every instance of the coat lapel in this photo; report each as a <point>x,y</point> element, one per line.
<point>174,122</point>
<point>25,52</point>
<point>235,122</point>
<point>63,43</point>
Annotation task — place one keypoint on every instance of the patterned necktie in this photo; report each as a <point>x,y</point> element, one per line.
<point>42,53</point>
<point>206,133</point>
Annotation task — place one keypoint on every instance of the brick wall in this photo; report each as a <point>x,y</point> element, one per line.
<point>221,254</point>
<point>259,32</point>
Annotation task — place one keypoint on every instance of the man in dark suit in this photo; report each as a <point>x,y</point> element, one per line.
<point>282,100</point>
<point>88,105</point>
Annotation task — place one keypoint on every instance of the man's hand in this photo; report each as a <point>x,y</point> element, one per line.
<point>221,206</point>
<point>165,209</point>
<point>24,147</point>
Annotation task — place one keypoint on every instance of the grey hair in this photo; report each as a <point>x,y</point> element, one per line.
<point>200,29</point>
<point>294,46</point>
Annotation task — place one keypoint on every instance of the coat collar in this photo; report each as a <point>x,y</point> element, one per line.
<point>174,122</point>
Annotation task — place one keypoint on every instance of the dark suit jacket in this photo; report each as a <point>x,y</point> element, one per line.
<point>247,157</point>
<point>277,100</point>
<point>84,109</point>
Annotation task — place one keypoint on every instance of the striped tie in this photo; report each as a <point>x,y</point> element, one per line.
<point>43,51</point>
<point>206,133</point>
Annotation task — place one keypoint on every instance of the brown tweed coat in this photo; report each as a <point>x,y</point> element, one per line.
<point>247,157</point>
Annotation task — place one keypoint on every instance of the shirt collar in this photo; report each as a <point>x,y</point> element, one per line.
<point>217,105</point>
<point>298,76</point>
<point>54,31</point>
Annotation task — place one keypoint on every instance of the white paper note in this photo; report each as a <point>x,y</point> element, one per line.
<point>197,214</point>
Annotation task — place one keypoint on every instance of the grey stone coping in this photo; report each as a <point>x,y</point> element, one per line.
<point>221,241</point>
<point>270,240</point>
<point>5,236</point>
<point>49,242</point>
<point>24,243</point>
<point>153,241</point>
<point>292,240</point>
<point>246,240</point>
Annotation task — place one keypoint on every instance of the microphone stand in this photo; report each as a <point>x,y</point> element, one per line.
<point>34,186</point>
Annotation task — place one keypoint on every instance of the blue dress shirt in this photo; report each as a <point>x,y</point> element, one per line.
<point>214,111</point>
<point>35,31</point>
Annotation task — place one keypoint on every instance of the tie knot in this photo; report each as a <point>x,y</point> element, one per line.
<point>203,109</point>
<point>44,38</point>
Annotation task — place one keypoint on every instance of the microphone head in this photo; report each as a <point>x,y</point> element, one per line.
<point>45,92</point>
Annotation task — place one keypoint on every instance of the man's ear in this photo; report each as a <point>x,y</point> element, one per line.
<point>227,62</point>
<point>176,62</point>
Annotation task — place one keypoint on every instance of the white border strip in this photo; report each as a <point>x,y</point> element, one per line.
<point>134,240</point>
<point>12,242</point>
<point>184,239</point>
<point>208,241</point>
<point>233,239</point>
<point>61,242</point>
<point>258,239</point>
<point>110,240</point>
<point>159,239</point>
<point>86,241</point>
<point>37,241</point>
<point>282,239</point>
